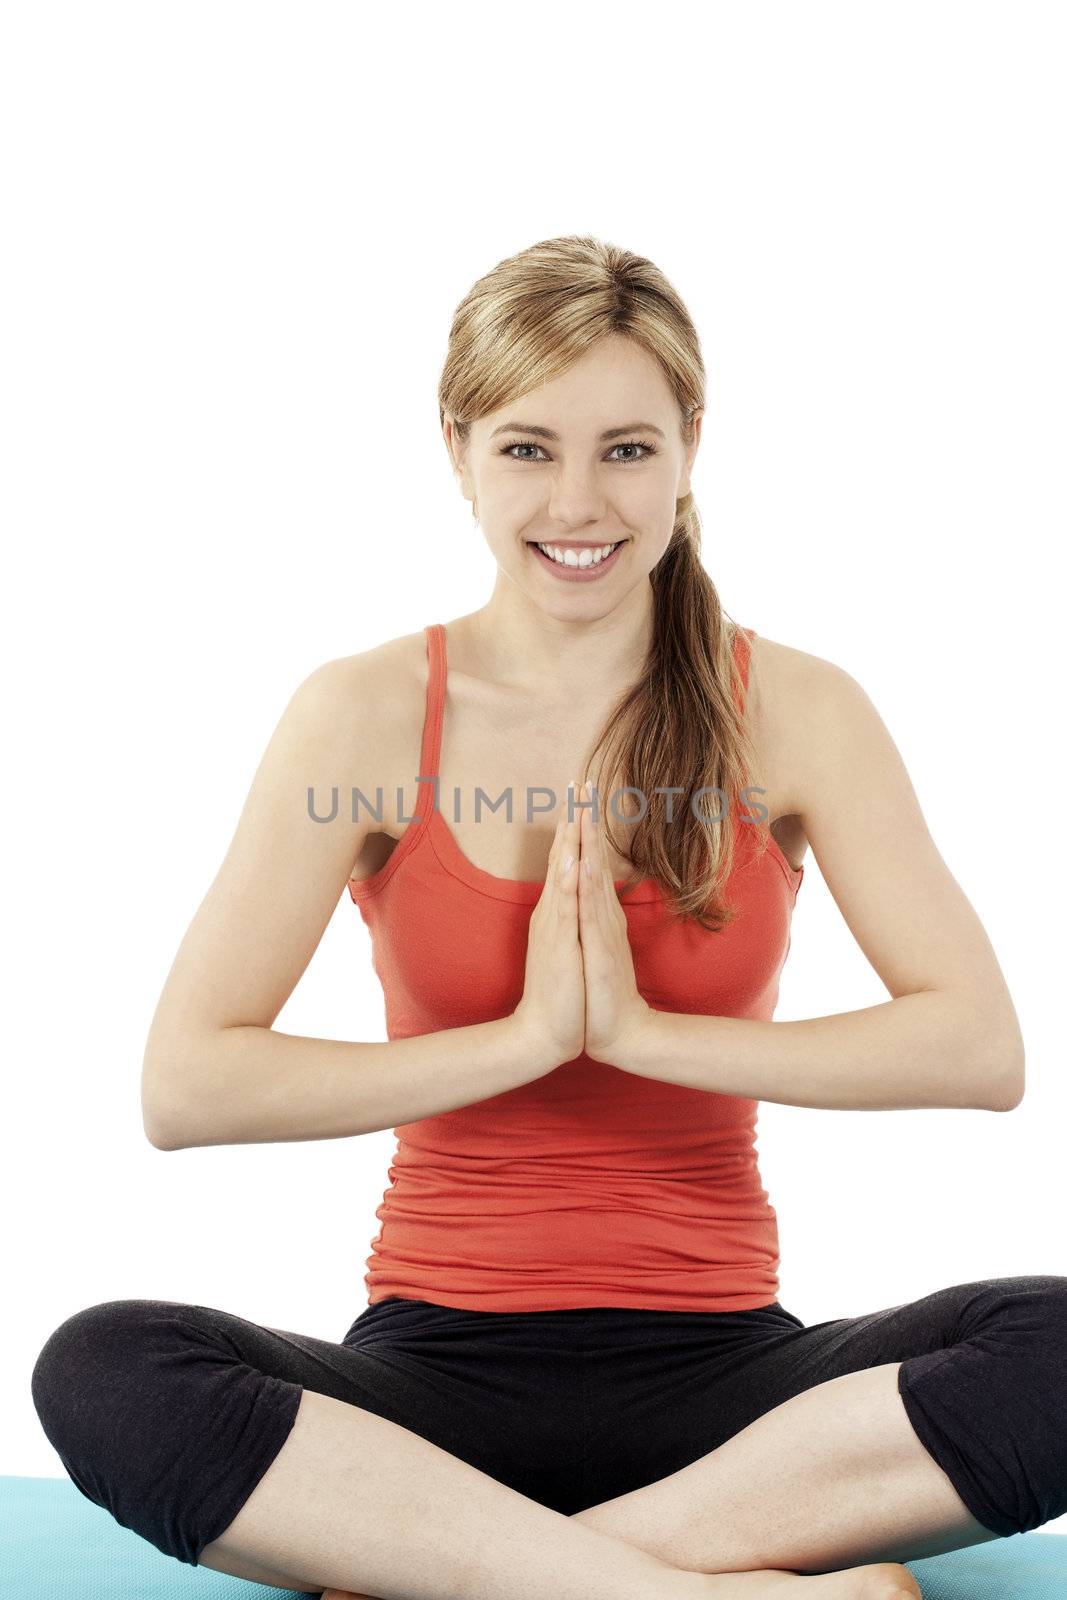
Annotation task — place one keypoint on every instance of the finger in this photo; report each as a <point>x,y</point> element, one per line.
<point>598,885</point>
<point>573,834</point>
<point>607,881</point>
<point>590,842</point>
<point>573,814</point>
<point>552,876</point>
<point>588,896</point>
<point>600,870</point>
<point>580,809</point>
<point>561,821</point>
<point>601,867</point>
<point>558,836</point>
<point>566,844</point>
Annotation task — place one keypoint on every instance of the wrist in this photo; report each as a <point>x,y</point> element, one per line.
<point>637,1046</point>
<point>534,1055</point>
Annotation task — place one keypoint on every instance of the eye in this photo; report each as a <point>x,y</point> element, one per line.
<point>627,444</point>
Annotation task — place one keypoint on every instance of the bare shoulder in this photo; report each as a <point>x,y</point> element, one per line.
<point>791,696</point>
<point>814,720</point>
<point>371,691</point>
<point>785,681</point>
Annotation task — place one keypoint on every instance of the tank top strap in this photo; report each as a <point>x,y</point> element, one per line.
<point>742,655</point>
<point>430,755</point>
<point>437,674</point>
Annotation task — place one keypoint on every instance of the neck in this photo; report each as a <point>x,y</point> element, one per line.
<point>522,645</point>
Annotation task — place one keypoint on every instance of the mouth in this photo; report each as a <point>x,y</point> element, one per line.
<point>590,573</point>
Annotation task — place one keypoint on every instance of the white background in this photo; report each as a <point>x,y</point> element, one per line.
<point>236,234</point>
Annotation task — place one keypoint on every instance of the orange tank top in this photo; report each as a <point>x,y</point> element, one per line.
<point>589,1186</point>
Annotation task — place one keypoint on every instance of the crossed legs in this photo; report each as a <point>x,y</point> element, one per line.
<point>832,1483</point>
<point>831,1478</point>
<point>830,1488</point>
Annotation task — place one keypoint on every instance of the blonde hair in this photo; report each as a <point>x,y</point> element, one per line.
<point>520,326</point>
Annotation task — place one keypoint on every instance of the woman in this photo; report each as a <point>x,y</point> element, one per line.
<point>573,1374</point>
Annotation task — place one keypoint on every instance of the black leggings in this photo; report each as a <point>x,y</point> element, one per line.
<point>168,1415</point>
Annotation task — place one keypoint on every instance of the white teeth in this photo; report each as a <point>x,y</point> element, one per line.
<point>576,558</point>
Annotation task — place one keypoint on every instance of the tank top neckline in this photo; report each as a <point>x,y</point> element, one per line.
<point>431,823</point>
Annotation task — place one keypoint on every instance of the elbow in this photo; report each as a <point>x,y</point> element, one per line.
<point>1008,1080</point>
<point>1008,1100</point>
<point>160,1134</point>
<point>158,1139</point>
<point>157,1112</point>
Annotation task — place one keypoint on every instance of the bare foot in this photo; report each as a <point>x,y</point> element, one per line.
<point>881,1580</point>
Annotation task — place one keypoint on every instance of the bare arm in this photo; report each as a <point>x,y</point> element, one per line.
<point>924,1050</point>
<point>215,1071</point>
<point>950,1036</point>
<point>253,1085</point>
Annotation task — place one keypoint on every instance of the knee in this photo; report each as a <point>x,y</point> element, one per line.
<point>1025,1318</point>
<point>1035,1331</point>
<point>1050,1316</point>
<point>1031,1304</point>
<point>1053,1289</point>
<point>82,1361</point>
<point>1042,1302</point>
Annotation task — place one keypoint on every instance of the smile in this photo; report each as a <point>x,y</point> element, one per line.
<point>578,567</point>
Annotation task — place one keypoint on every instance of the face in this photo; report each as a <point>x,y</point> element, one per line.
<point>543,473</point>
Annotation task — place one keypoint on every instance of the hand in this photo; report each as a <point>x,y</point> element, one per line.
<point>614,1009</point>
<point>551,1012</point>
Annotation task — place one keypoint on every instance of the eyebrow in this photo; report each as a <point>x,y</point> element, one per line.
<point>546,433</point>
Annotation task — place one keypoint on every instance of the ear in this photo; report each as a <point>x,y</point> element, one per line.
<point>452,442</point>
<point>458,456</point>
<point>684,487</point>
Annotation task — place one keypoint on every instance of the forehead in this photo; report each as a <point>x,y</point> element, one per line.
<point>611,383</point>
